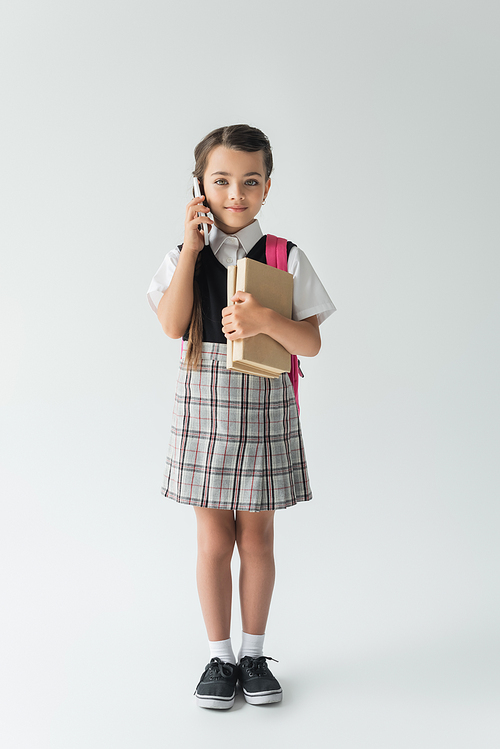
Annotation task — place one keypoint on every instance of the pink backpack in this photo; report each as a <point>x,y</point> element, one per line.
<point>276,255</point>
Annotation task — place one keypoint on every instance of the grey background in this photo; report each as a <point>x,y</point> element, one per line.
<point>384,118</point>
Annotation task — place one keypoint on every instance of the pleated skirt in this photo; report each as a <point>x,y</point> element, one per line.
<point>235,441</point>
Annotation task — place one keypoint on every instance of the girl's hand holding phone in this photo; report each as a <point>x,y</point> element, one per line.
<point>193,237</point>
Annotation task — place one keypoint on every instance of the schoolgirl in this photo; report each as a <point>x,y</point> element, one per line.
<point>235,450</point>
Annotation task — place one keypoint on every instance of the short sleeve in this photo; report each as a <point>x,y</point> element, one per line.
<point>309,295</point>
<point>162,278</point>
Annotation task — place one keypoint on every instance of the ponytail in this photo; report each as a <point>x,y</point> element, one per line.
<point>195,336</point>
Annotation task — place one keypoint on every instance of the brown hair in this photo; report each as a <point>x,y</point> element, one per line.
<point>239,138</point>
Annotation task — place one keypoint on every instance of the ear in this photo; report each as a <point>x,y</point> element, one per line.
<point>267,187</point>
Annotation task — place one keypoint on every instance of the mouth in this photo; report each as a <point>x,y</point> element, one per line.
<point>236,208</point>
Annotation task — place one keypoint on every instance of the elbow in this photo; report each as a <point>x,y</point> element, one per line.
<point>317,349</point>
<point>314,349</point>
<point>318,345</point>
<point>311,339</point>
<point>170,330</point>
<point>315,345</point>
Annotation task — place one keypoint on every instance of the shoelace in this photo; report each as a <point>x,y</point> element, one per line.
<point>257,666</point>
<point>219,670</point>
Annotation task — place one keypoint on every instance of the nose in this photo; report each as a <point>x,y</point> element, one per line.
<point>236,191</point>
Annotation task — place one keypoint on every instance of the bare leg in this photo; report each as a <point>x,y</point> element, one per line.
<point>255,539</point>
<point>216,536</point>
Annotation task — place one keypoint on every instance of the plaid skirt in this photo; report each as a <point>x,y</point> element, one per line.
<point>236,441</point>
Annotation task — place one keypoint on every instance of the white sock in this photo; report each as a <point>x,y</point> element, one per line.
<point>222,649</point>
<point>252,645</point>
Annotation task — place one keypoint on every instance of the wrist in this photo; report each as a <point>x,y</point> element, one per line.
<point>189,254</point>
<point>268,320</point>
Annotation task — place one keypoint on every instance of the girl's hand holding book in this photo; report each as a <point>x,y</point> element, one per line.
<point>245,318</point>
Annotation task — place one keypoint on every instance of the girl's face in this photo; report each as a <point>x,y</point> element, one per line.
<point>235,186</point>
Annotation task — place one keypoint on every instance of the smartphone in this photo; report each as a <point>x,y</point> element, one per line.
<point>197,194</point>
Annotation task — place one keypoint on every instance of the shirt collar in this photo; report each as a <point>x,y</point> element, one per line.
<point>247,237</point>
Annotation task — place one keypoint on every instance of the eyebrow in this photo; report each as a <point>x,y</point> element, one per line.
<point>228,174</point>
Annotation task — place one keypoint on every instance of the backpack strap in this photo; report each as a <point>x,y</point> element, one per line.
<point>277,256</point>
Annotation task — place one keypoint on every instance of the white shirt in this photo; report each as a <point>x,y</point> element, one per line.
<point>309,295</point>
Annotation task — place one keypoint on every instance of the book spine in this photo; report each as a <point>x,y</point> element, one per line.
<point>231,291</point>
<point>241,275</point>
<point>240,283</point>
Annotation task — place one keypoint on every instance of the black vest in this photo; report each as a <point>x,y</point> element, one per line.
<point>212,280</point>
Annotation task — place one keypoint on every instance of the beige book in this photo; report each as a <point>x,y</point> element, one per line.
<point>260,355</point>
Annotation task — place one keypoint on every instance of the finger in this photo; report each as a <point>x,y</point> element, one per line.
<point>192,208</point>
<point>196,210</point>
<point>197,217</point>
<point>196,200</point>
<point>240,296</point>
<point>201,220</point>
<point>193,223</point>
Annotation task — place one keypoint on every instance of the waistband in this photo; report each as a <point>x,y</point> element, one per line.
<point>210,352</point>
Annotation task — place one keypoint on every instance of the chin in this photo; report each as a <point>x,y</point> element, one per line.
<point>243,221</point>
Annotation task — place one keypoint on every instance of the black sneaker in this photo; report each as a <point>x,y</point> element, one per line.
<point>217,685</point>
<point>258,684</point>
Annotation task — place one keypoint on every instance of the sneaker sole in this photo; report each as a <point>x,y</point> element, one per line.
<point>219,703</point>
<point>262,698</point>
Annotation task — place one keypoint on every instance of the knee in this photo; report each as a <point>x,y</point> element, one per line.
<point>217,545</point>
<point>255,543</point>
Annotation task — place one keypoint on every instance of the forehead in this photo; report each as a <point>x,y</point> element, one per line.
<point>235,163</point>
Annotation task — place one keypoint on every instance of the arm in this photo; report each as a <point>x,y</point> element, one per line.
<point>247,318</point>
<point>176,304</point>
